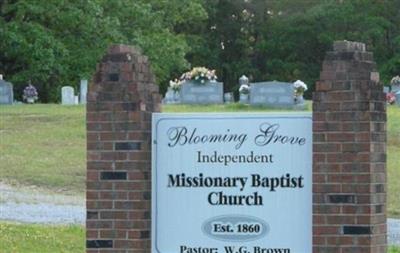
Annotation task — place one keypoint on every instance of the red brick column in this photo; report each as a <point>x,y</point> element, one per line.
<point>120,102</point>
<point>349,160</point>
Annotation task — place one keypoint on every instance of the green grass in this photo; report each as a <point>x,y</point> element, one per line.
<point>393,161</point>
<point>19,238</point>
<point>43,145</point>
<point>394,250</point>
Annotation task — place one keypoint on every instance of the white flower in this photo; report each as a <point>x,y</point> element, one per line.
<point>244,88</point>
<point>201,74</point>
<point>395,80</point>
<point>299,88</point>
<point>175,85</point>
<point>300,85</point>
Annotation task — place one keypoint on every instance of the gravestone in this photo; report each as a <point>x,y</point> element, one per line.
<point>397,98</point>
<point>349,161</point>
<point>395,88</point>
<point>171,97</point>
<point>208,93</point>
<point>273,94</point>
<point>6,92</point>
<point>83,91</point>
<point>228,97</point>
<point>243,98</point>
<point>67,95</point>
<point>386,89</point>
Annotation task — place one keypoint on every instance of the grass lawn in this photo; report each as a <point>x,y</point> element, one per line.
<point>20,238</point>
<point>393,161</point>
<point>394,250</point>
<point>43,145</point>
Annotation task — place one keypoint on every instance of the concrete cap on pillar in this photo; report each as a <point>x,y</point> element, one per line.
<point>119,49</point>
<point>348,46</point>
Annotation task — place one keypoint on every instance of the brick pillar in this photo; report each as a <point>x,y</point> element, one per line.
<point>120,102</point>
<point>349,159</point>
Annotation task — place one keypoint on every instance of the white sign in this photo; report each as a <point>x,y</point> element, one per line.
<point>232,183</point>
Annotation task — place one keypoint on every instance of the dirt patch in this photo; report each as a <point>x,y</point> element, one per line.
<point>32,205</point>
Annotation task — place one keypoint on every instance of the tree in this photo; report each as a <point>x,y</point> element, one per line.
<point>52,43</point>
<point>229,40</point>
<point>57,42</point>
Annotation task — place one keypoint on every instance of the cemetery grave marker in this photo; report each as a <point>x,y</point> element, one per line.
<point>272,94</point>
<point>395,88</point>
<point>67,95</point>
<point>83,91</point>
<point>171,97</point>
<point>208,93</point>
<point>6,92</point>
<point>386,89</point>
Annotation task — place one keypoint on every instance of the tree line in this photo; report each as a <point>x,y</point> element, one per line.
<point>55,43</point>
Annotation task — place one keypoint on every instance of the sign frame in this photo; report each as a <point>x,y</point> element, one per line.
<point>158,117</point>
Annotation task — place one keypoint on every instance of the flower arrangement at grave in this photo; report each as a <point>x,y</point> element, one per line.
<point>395,81</point>
<point>244,89</point>
<point>175,85</point>
<point>299,88</point>
<point>200,75</point>
<point>390,98</point>
<point>30,94</point>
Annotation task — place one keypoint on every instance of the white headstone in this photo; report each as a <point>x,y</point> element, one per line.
<point>67,95</point>
<point>228,97</point>
<point>386,89</point>
<point>170,96</point>
<point>244,98</point>
<point>6,92</point>
<point>398,98</point>
<point>76,100</point>
<point>395,88</point>
<point>83,91</point>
